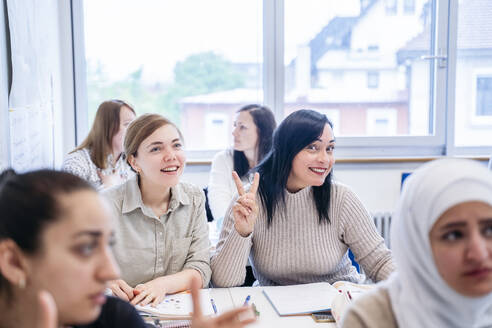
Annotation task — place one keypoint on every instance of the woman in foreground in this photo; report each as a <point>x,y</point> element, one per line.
<point>442,243</point>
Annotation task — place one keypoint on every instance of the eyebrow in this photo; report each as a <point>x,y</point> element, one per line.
<point>318,139</point>
<point>92,233</point>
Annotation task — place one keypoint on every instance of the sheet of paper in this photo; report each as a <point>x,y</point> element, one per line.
<point>180,305</point>
<point>301,299</point>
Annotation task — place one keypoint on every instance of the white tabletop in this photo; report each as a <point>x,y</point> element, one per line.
<point>228,298</point>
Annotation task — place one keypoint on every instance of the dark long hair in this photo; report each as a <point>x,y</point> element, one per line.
<point>265,124</point>
<point>296,132</point>
<point>28,203</point>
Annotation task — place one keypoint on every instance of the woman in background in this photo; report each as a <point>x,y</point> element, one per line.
<point>162,233</point>
<point>56,235</point>
<point>441,237</point>
<point>300,226</point>
<point>253,129</point>
<point>99,159</point>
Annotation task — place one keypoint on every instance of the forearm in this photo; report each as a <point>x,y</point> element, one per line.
<point>179,281</point>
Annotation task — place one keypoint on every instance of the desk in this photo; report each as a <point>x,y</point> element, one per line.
<point>228,298</point>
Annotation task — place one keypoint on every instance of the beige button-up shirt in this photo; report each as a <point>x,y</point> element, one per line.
<point>147,246</point>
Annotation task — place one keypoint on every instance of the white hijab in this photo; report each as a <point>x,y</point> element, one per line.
<point>419,296</point>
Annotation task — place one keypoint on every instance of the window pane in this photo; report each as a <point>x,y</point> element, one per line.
<point>361,60</point>
<point>195,62</point>
<point>473,120</point>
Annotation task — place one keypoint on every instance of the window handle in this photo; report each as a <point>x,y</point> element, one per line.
<point>441,59</point>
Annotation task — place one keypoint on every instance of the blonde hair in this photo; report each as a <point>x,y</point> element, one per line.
<point>141,128</point>
<point>106,124</point>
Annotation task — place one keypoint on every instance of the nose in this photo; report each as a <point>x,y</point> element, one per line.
<point>478,249</point>
<point>169,154</point>
<point>235,131</point>
<point>109,269</point>
<point>325,157</point>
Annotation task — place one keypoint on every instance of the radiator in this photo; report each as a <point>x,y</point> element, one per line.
<point>382,220</point>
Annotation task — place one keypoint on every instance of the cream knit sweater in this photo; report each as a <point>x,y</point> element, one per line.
<point>297,249</point>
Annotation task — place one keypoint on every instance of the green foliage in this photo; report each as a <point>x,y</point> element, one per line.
<point>197,74</point>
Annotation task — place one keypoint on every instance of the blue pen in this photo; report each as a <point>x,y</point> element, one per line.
<point>213,305</point>
<point>246,300</point>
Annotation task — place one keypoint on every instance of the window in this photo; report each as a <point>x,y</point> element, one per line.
<point>372,80</point>
<point>484,96</point>
<point>408,7</point>
<point>416,79</point>
<point>189,66</point>
<point>391,7</point>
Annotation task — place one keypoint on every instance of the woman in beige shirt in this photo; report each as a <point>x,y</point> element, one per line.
<point>442,245</point>
<point>161,234</point>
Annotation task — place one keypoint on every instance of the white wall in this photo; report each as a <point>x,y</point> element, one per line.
<point>377,185</point>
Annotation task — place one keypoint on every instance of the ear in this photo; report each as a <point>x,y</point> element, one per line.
<point>13,263</point>
<point>133,163</point>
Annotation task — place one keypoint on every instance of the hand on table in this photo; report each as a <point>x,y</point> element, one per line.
<point>245,209</point>
<point>153,292</point>
<point>121,289</point>
<point>230,319</point>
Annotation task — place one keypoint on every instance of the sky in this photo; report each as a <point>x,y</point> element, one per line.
<point>124,35</point>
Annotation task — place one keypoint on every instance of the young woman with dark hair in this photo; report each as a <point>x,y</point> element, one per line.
<point>99,159</point>
<point>304,224</point>
<point>56,235</point>
<point>253,130</point>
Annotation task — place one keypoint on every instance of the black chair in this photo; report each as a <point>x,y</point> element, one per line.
<point>210,217</point>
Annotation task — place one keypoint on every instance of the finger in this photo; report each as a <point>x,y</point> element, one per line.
<point>256,183</point>
<point>158,300</point>
<point>137,299</point>
<point>195,296</point>
<point>119,293</point>
<point>48,312</point>
<point>246,202</point>
<point>242,211</point>
<point>232,315</point>
<point>150,297</point>
<point>126,289</point>
<point>239,184</point>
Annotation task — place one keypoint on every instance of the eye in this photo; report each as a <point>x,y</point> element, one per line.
<point>178,145</point>
<point>312,147</point>
<point>112,241</point>
<point>154,149</point>
<point>452,235</point>
<point>487,231</point>
<point>86,249</point>
<point>330,148</point>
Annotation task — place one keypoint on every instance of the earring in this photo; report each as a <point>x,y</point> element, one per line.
<point>22,283</point>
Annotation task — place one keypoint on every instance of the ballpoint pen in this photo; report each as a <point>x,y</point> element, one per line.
<point>213,305</point>
<point>246,300</point>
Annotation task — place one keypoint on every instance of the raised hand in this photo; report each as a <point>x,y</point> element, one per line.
<point>230,319</point>
<point>48,315</point>
<point>245,209</point>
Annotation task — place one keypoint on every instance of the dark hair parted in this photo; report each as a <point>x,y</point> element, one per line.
<point>28,203</point>
<point>265,125</point>
<point>297,131</point>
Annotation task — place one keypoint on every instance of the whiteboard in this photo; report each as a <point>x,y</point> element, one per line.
<point>30,101</point>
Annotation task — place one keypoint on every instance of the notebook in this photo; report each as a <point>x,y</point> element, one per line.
<point>301,299</point>
<point>178,306</point>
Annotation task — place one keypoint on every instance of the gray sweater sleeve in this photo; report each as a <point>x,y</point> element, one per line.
<point>357,230</point>
<point>231,256</point>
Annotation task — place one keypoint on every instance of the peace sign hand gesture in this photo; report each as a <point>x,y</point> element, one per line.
<point>245,209</point>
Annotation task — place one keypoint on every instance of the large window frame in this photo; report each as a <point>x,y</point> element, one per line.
<point>442,93</point>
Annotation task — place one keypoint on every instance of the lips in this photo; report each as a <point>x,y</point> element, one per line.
<point>98,298</point>
<point>478,273</point>
<point>318,170</point>
<point>170,169</point>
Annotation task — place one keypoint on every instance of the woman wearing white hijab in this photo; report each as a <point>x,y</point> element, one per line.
<point>442,244</point>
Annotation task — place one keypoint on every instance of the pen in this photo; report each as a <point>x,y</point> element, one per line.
<point>213,305</point>
<point>348,294</point>
<point>246,300</point>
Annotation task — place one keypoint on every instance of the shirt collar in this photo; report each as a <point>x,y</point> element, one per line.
<point>133,197</point>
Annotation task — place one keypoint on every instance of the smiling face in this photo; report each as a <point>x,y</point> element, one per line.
<point>126,117</point>
<point>76,260</point>
<point>245,132</point>
<point>312,165</point>
<point>461,241</point>
<point>160,157</point>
